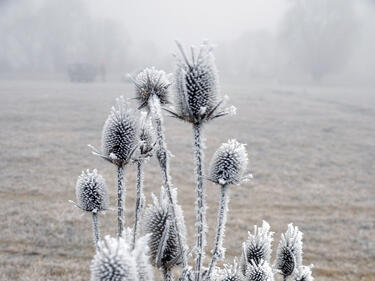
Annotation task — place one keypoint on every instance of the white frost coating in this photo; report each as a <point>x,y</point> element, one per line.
<point>259,272</point>
<point>289,251</point>
<point>141,253</point>
<point>303,273</point>
<point>229,163</point>
<point>258,246</point>
<point>150,82</point>
<point>91,192</point>
<point>120,133</point>
<point>113,261</point>
<point>229,273</point>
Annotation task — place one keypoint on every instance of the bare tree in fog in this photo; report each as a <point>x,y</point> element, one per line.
<point>319,35</point>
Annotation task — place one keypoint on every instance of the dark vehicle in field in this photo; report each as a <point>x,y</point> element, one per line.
<point>82,72</point>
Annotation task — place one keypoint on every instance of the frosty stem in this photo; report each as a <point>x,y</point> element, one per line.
<point>95,228</point>
<point>120,191</point>
<point>167,275</point>
<point>200,205</point>
<point>217,252</point>
<point>162,155</point>
<point>139,199</point>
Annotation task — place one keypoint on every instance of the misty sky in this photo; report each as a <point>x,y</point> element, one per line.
<point>191,21</point>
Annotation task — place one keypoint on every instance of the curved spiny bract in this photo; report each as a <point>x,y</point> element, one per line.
<point>257,247</point>
<point>198,98</point>
<point>303,273</point>
<point>150,82</point>
<point>120,134</point>
<point>259,272</point>
<point>113,261</point>
<point>229,163</point>
<point>141,253</point>
<point>289,251</point>
<point>164,248</point>
<point>91,192</point>
<point>147,137</point>
<point>229,273</point>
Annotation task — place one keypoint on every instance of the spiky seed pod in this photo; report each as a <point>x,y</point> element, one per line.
<point>258,246</point>
<point>229,163</point>
<point>303,273</point>
<point>164,248</point>
<point>147,136</point>
<point>91,192</point>
<point>144,268</point>
<point>113,261</point>
<point>120,134</point>
<point>259,272</point>
<point>150,82</point>
<point>198,98</point>
<point>229,273</point>
<point>289,251</point>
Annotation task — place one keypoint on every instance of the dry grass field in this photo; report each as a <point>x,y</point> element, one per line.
<point>311,150</point>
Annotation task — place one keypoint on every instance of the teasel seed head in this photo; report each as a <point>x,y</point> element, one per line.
<point>259,272</point>
<point>303,273</point>
<point>289,251</point>
<point>91,192</point>
<point>151,82</point>
<point>257,247</point>
<point>229,164</point>
<point>113,261</point>
<point>147,137</point>
<point>163,244</point>
<point>120,134</point>
<point>230,272</point>
<point>197,99</point>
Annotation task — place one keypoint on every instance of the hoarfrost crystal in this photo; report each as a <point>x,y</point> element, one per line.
<point>259,272</point>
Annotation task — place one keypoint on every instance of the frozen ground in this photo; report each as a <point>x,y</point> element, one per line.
<point>312,153</point>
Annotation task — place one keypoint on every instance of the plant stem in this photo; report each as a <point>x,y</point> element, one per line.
<point>168,275</point>
<point>139,199</point>
<point>285,277</point>
<point>162,155</point>
<point>200,205</point>
<point>217,252</point>
<point>120,191</point>
<point>95,228</point>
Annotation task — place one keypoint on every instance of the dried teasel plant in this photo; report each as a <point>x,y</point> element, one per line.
<point>92,196</point>
<point>128,137</point>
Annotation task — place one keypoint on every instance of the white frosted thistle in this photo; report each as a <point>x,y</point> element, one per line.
<point>157,221</point>
<point>151,82</point>
<point>120,134</point>
<point>289,251</point>
<point>259,272</point>
<point>229,163</point>
<point>230,272</point>
<point>113,261</point>
<point>303,273</point>
<point>258,246</point>
<point>198,98</point>
<point>91,192</point>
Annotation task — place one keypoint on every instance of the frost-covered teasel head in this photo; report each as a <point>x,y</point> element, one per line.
<point>198,98</point>
<point>230,272</point>
<point>91,192</point>
<point>113,261</point>
<point>163,244</point>
<point>151,82</point>
<point>289,251</point>
<point>258,246</point>
<point>141,254</point>
<point>303,273</point>
<point>229,163</point>
<point>120,134</point>
<point>259,272</point>
<point>146,136</point>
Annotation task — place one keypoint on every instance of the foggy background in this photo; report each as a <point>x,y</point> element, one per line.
<point>277,40</point>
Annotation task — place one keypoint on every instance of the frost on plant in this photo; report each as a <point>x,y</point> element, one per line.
<point>163,244</point>
<point>259,272</point>
<point>289,251</point>
<point>91,192</point>
<point>120,134</point>
<point>113,261</point>
<point>228,273</point>
<point>229,163</point>
<point>151,82</point>
<point>257,247</point>
<point>141,254</point>
<point>303,273</point>
<point>147,137</point>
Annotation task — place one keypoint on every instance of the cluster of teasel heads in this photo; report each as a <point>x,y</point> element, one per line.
<point>157,238</point>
